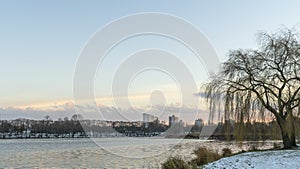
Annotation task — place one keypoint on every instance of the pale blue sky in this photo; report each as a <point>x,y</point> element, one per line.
<point>41,40</point>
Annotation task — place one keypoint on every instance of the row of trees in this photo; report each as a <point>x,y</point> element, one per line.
<point>146,129</point>
<point>40,127</point>
<point>250,131</point>
<point>76,125</point>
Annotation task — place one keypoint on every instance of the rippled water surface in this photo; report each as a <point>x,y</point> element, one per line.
<point>99,153</point>
<point>84,153</point>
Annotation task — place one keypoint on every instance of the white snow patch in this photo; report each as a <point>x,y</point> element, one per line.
<point>277,159</point>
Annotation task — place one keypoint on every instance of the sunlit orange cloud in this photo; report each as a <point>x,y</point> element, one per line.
<point>47,105</point>
<point>101,101</point>
<point>137,99</point>
<point>140,99</point>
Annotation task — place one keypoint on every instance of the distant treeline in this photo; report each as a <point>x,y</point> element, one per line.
<point>144,129</point>
<point>77,127</point>
<point>26,128</point>
<point>250,131</point>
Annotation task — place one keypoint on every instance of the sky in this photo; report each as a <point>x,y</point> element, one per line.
<point>42,40</point>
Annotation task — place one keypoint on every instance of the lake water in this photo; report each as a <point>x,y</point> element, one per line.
<point>100,152</point>
<point>84,153</point>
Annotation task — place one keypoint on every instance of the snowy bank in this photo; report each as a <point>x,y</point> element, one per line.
<point>264,159</point>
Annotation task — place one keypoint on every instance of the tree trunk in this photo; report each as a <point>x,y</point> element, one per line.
<point>291,122</point>
<point>287,127</point>
<point>287,143</point>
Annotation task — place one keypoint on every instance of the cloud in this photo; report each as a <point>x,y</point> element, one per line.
<point>34,113</point>
<point>89,111</point>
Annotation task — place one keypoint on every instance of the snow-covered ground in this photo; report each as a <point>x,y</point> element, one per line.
<point>279,159</point>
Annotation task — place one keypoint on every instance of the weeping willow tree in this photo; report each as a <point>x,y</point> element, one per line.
<point>261,83</point>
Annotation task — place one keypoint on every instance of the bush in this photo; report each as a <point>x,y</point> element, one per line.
<point>226,152</point>
<point>253,148</point>
<point>175,163</point>
<point>204,156</point>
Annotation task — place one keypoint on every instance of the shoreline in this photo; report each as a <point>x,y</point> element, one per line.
<point>275,159</point>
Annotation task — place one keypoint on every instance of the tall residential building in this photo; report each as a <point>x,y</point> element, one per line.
<point>149,118</point>
<point>173,119</point>
<point>199,123</point>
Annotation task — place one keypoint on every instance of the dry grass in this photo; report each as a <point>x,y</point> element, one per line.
<point>204,156</point>
<point>226,152</point>
<point>175,163</point>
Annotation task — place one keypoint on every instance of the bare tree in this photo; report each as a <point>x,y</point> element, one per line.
<point>259,82</point>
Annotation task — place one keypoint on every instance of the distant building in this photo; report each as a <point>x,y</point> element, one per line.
<point>181,123</point>
<point>173,119</point>
<point>163,122</point>
<point>147,118</point>
<point>199,123</point>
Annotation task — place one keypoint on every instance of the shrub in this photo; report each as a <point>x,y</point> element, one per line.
<point>175,163</point>
<point>253,148</point>
<point>226,152</point>
<point>204,156</point>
